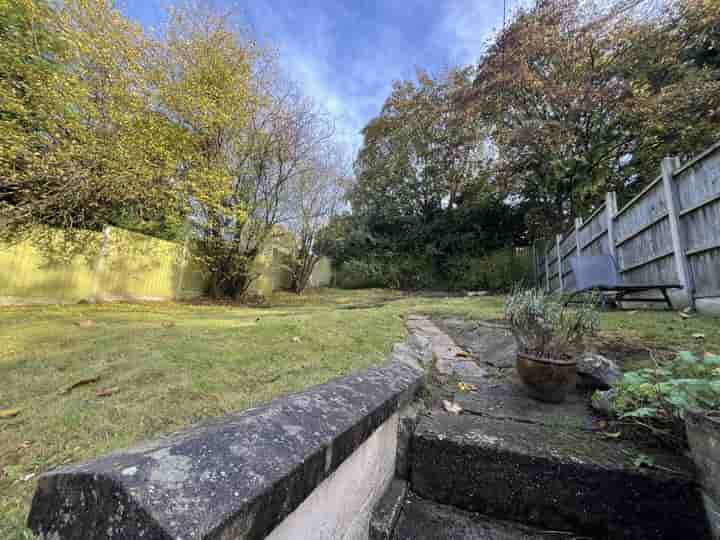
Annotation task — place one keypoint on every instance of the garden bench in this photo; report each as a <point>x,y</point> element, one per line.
<point>600,273</point>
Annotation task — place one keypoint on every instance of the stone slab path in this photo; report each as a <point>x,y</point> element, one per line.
<point>509,457</point>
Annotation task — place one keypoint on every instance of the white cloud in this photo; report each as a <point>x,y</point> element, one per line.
<point>466,27</point>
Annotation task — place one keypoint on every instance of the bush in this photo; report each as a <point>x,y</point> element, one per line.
<point>499,271</point>
<point>358,274</point>
<point>657,398</point>
<point>404,272</point>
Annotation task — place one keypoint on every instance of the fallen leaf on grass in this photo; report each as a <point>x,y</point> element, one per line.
<point>81,382</point>
<point>88,323</point>
<point>699,336</point>
<point>451,407</point>
<point>9,413</point>
<point>105,392</point>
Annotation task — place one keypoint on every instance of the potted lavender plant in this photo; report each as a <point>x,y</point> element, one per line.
<point>547,333</point>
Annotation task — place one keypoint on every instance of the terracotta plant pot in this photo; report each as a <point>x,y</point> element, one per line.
<point>547,379</point>
<point>703,433</point>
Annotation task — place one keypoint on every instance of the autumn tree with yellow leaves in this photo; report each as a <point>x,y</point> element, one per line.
<point>188,132</point>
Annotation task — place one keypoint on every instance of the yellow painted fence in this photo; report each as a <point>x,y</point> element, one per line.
<point>123,265</point>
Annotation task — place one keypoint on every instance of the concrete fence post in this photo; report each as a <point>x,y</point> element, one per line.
<point>672,199</point>
<point>611,211</point>
<point>99,264</point>
<point>578,226</point>
<point>558,241</point>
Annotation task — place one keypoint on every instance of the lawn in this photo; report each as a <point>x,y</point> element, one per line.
<point>167,365</point>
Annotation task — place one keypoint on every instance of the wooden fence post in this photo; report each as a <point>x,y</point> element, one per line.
<point>558,241</point>
<point>99,263</point>
<point>578,226</point>
<point>611,211</point>
<point>668,167</point>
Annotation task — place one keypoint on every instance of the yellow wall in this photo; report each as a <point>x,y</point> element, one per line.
<point>127,265</point>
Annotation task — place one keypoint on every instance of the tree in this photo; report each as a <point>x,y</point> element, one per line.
<point>203,72</point>
<point>316,197</point>
<point>421,153</point>
<point>582,101</point>
<point>82,143</point>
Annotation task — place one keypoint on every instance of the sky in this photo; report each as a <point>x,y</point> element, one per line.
<point>345,54</point>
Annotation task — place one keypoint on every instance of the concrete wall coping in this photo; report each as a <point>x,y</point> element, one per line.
<point>237,476</point>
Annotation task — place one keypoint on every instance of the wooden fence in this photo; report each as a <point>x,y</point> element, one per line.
<point>123,265</point>
<point>668,233</point>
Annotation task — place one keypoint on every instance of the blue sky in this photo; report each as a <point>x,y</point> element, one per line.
<point>346,53</point>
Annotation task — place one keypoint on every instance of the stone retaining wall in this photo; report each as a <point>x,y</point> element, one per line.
<point>307,465</point>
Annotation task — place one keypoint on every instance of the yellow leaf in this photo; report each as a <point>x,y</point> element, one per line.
<point>9,413</point>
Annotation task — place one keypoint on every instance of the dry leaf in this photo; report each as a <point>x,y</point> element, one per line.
<point>9,413</point>
<point>451,407</point>
<point>105,392</point>
<point>699,336</point>
<point>81,382</point>
<point>87,323</point>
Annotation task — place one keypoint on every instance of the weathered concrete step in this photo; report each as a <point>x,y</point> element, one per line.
<point>425,520</point>
<point>559,479</point>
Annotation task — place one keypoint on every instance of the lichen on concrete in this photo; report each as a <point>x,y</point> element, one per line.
<point>243,472</point>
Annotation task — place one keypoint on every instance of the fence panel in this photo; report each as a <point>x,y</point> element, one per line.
<point>120,264</point>
<point>593,233</point>
<point>698,184</point>
<point>568,249</point>
<point>669,233</point>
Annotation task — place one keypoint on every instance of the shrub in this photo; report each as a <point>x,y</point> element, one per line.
<point>499,271</point>
<point>359,274</point>
<point>544,325</point>
<point>657,398</point>
<point>402,272</point>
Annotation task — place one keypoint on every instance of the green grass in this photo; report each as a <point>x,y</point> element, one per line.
<point>174,364</point>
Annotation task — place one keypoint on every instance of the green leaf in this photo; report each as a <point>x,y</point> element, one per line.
<point>642,412</point>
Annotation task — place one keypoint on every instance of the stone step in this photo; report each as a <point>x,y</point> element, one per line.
<point>424,520</point>
<point>555,477</point>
